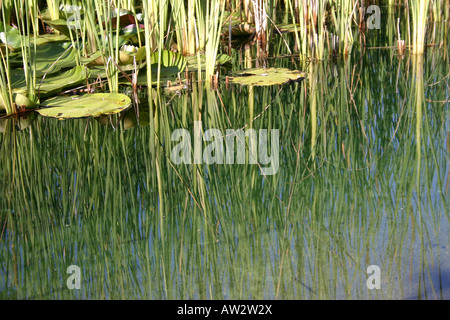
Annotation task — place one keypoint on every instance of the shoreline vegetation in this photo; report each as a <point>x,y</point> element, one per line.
<point>362,161</point>
<point>52,46</point>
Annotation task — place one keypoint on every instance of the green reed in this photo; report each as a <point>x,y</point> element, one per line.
<point>5,84</point>
<point>419,14</point>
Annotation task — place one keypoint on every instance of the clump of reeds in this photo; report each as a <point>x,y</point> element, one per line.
<point>419,10</point>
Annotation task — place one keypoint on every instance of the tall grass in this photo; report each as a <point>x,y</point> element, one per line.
<point>5,84</point>
<point>419,10</point>
<point>322,29</point>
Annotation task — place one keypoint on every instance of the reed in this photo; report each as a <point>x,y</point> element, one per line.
<point>5,84</point>
<point>210,31</point>
<point>419,14</point>
<point>53,7</point>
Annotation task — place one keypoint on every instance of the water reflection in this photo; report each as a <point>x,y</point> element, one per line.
<point>363,180</point>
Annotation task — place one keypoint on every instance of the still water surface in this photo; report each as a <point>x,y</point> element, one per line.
<point>363,180</point>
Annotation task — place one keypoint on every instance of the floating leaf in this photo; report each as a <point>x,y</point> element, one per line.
<point>88,105</point>
<point>50,86</point>
<point>49,58</point>
<point>175,62</point>
<point>20,98</point>
<point>55,84</point>
<point>171,64</point>
<point>132,33</point>
<point>59,25</point>
<point>10,35</point>
<point>126,56</point>
<point>267,77</point>
<point>47,38</point>
<point>192,61</point>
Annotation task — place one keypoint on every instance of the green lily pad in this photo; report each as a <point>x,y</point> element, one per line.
<point>14,38</point>
<point>55,84</point>
<point>11,36</point>
<point>47,38</point>
<point>88,105</point>
<point>20,98</point>
<point>173,62</point>
<point>60,25</point>
<point>46,55</point>
<point>267,77</point>
<point>50,86</point>
<point>125,56</point>
<point>192,61</point>
<point>132,33</point>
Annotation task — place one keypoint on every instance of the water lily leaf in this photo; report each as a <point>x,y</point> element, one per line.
<point>131,32</point>
<point>46,55</point>
<point>20,98</point>
<point>192,61</point>
<point>163,78</point>
<point>52,84</point>
<point>267,77</point>
<point>46,38</point>
<point>88,105</point>
<point>55,84</point>
<point>171,64</point>
<point>14,38</point>
<point>171,61</point>
<point>60,25</point>
<point>11,36</point>
<point>126,56</point>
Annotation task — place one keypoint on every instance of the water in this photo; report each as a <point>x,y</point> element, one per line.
<point>363,180</point>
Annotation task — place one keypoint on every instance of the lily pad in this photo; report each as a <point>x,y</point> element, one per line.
<point>126,56</point>
<point>60,25</point>
<point>55,84</point>
<point>267,77</point>
<point>45,57</point>
<point>88,105</point>
<point>173,62</point>
<point>50,86</point>
<point>192,61</point>
<point>21,99</point>
<point>132,33</point>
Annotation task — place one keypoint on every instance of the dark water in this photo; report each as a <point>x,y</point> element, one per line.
<point>362,180</point>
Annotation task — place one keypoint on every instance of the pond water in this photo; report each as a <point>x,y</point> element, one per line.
<point>362,180</point>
